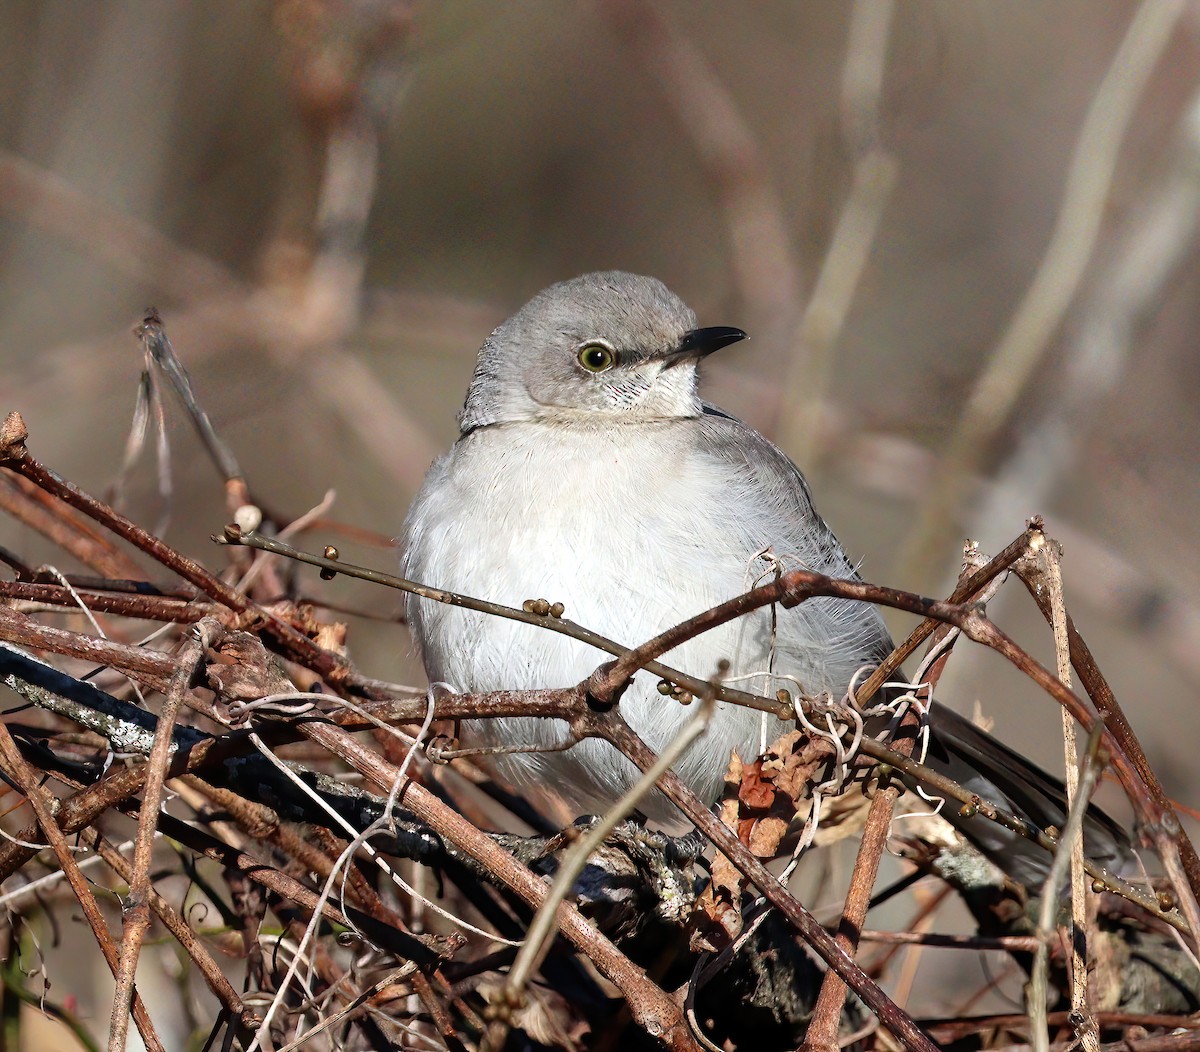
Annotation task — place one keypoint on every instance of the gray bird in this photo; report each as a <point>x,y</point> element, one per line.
<point>589,472</point>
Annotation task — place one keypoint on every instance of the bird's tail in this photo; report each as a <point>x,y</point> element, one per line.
<point>973,758</point>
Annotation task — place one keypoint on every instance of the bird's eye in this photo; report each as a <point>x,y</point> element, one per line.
<point>596,357</point>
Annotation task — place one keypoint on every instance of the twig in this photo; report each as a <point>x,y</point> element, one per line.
<point>234,535</point>
<point>1006,943</point>
<point>151,666</point>
<point>950,1030</point>
<point>1162,819</point>
<point>540,933</point>
<point>25,778</point>
<point>178,927</point>
<point>360,999</point>
<point>15,456</point>
<point>135,913</point>
<point>149,607</point>
<point>610,726</point>
<point>823,1029</point>
<point>1077,929</point>
<point>1000,563</point>
<point>651,1007</point>
<point>1051,891</point>
<point>64,526</point>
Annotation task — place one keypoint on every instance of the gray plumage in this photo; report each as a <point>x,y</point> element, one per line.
<point>623,496</point>
<point>589,472</point>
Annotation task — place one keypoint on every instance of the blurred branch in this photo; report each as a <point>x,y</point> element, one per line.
<point>810,365</point>
<point>1157,240</point>
<point>1025,341</point>
<point>35,195</point>
<point>1159,613</point>
<point>766,273</point>
<point>226,309</point>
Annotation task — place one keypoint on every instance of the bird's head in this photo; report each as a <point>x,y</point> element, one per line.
<point>607,345</point>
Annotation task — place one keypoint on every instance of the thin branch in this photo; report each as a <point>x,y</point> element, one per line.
<point>613,729</point>
<point>178,927</point>
<point>540,933</point>
<point>651,1007</point>
<point>561,625</point>
<point>1077,930</point>
<point>15,456</point>
<point>809,370</point>
<point>823,1029</point>
<point>37,797</point>
<point>64,526</point>
<point>1070,248</point>
<point>152,667</point>
<point>1051,891</point>
<point>135,914</point>
<point>148,607</point>
<point>1163,821</point>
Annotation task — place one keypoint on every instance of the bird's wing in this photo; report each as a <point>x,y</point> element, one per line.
<point>777,507</point>
<point>958,748</point>
<point>987,766</point>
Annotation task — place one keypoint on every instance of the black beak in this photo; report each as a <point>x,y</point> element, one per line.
<point>699,343</point>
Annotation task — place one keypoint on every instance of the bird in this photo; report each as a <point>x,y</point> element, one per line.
<point>589,471</point>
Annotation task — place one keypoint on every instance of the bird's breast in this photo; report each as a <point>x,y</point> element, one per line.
<point>607,525</point>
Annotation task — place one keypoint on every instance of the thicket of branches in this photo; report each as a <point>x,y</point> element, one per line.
<point>232,730</point>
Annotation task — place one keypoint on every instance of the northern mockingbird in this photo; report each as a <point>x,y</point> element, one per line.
<point>589,472</point>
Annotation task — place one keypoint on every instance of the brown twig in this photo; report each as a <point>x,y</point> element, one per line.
<point>822,1032</point>
<point>152,667</point>
<point>823,1029</point>
<point>63,525</point>
<point>294,643</point>
<point>792,587</point>
<point>1078,935</point>
<point>183,934</point>
<point>1038,986</point>
<point>697,686</point>
<point>37,797</point>
<point>613,729</point>
<point>1006,943</point>
<point>135,915</point>
<point>651,1007</point>
<point>950,1030</point>
<point>1163,820</point>
<point>998,564</point>
<point>148,607</point>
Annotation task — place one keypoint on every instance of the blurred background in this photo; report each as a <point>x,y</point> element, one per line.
<point>961,235</point>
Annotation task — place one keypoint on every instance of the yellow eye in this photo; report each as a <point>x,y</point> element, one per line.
<point>597,357</point>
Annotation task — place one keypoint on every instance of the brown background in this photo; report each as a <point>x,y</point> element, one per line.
<point>522,143</point>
